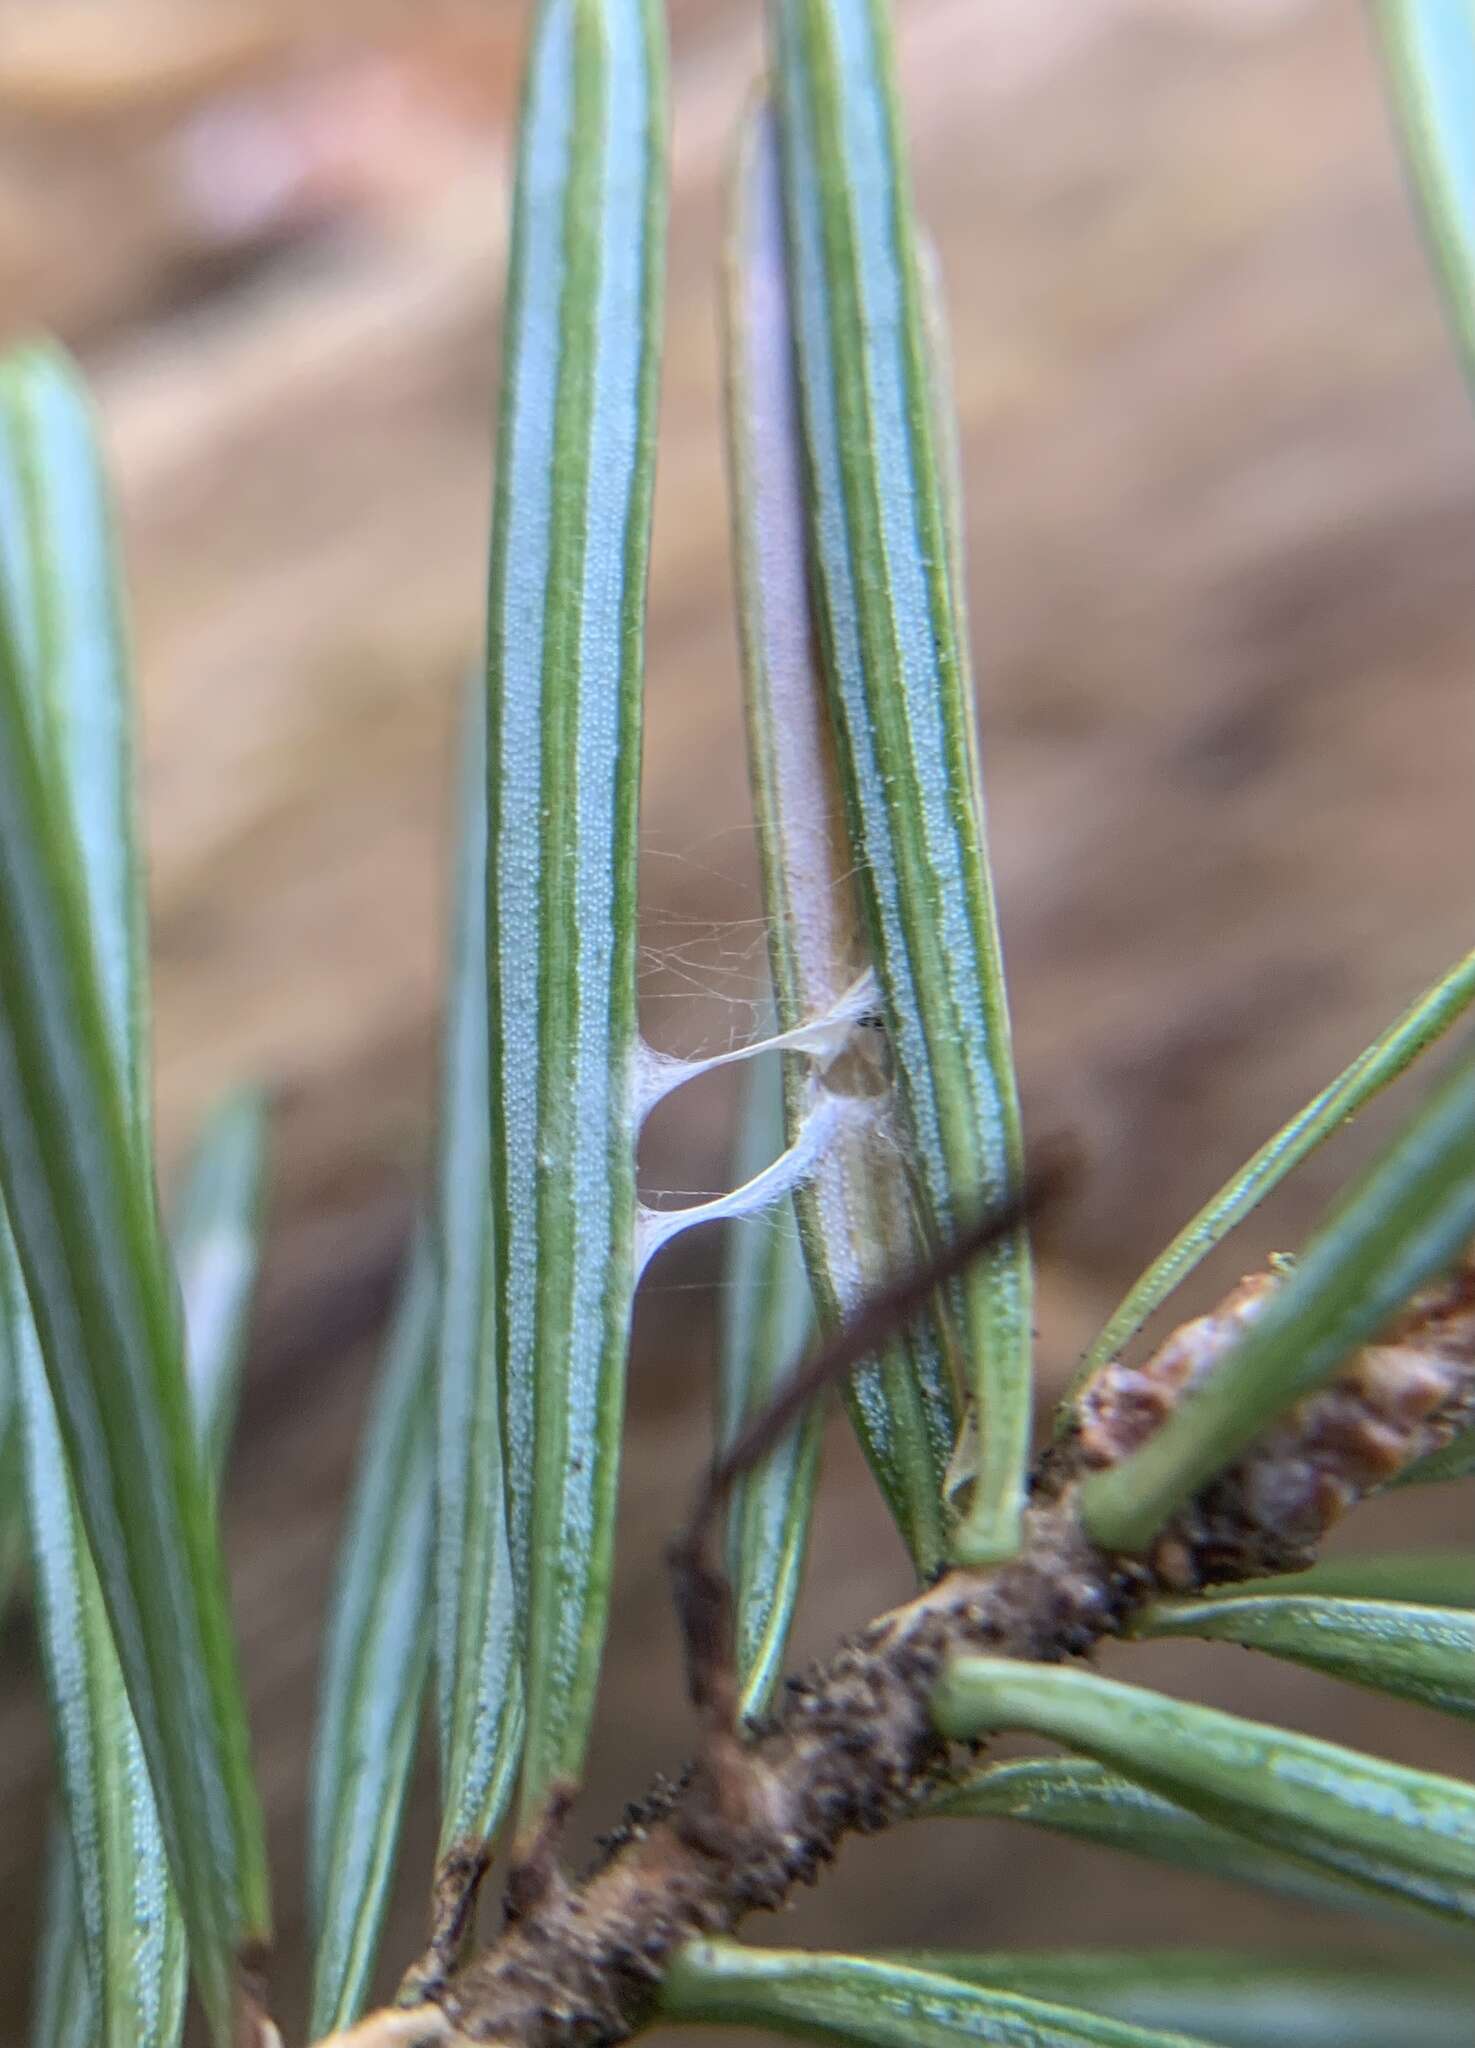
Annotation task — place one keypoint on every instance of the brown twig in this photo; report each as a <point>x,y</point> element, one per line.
<point>703,1597</point>
<point>853,1748</point>
<point>889,1310</point>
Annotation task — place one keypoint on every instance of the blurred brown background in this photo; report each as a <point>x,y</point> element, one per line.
<point>1221,493</point>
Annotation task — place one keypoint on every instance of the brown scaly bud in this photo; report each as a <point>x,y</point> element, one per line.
<point>1122,1405</point>
<point>1396,1401</point>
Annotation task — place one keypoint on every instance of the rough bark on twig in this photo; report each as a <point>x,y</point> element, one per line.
<point>852,1747</point>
